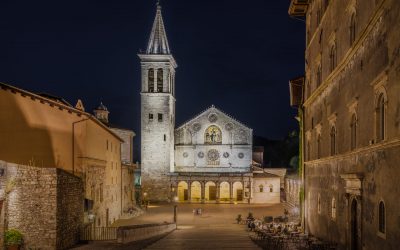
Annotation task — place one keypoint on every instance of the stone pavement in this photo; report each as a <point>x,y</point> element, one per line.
<point>214,229</point>
<point>213,236</point>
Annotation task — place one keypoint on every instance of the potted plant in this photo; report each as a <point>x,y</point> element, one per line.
<point>13,239</point>
<point>239,218</point>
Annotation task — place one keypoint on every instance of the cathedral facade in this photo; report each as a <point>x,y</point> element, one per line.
<point>208,158</point>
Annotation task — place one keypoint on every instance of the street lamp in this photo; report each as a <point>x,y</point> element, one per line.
<point>176,210</point>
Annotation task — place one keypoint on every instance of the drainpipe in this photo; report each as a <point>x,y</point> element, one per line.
<point>73,143</point>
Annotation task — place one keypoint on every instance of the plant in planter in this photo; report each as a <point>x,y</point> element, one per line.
<point>13,239</point>
<point>239,218</point>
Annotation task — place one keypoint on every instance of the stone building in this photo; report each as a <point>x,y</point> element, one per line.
<point>351,121</point>
<point>45,131</point>
<point>127,165</point>
<point>207,159</point>
<point>44,204</point>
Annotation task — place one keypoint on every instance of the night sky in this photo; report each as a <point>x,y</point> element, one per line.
<point>237,55</point>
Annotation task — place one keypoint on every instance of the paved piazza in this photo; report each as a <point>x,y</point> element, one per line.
<point>214,229</point>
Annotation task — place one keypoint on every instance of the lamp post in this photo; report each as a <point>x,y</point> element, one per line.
<point>176,210</point>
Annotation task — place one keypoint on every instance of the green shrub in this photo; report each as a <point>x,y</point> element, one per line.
<point>13,237</point>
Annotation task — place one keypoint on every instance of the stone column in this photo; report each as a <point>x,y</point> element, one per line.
<point>189,191</point>
<point>218,191</point>
<point>231,192</point>
<point>203,191</point>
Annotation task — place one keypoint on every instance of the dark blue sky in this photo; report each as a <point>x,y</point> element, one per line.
<point>237,55</point>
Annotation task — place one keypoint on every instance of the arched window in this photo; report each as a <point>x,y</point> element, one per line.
<point>151,80</point>
<point>352,29</point>
<point>333,57</point>
<point>353,129</point>
<point>261,187</point>
<point>382,217</point>
<point>213,135</point>
<point>271,188</point>
<point>333,140</point>
<point>160,79</point>
<point>333,209</point>
<point>319,15</point>
<point>319,204</point>
<point>380,118</point>
<point>319,146</point>
<point>319,75</point>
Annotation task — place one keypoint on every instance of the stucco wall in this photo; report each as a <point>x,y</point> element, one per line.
<point>266,196</point>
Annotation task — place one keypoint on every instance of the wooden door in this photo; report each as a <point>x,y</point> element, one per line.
<point>212,193</point>
<point>239,194</point>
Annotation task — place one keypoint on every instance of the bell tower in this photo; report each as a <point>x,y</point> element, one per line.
<point>157,113</point>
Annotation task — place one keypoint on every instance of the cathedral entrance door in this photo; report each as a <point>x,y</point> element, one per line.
<point>185,195</point>
<point>239,196</point>
<point>212,193</point>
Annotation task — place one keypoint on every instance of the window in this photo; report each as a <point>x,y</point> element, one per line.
<point>353,128</point>
<point>380,118</point>
<point>271,188</point>
<point>107,144</point>
<point>308,89</point>
<point>382,217</point>
<point>319,15</point>
<point>352,29</point>
<point>150,117</point>
<point>319,75</point>
<point>165,137</point>
<point>333,209</point>
<point>319,204</point>
<point>333,57</point>
<point>319,146</point>
<point>151,80</point>
<point>333,141</point>
<point>160,78</point>
<point>101,192</point>
<point>326,4</point>
<point>308,151</point>
<point>213,135</point>
<point>160,117</point>
<point>261,187</point>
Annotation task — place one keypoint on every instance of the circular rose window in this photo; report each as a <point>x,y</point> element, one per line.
<point>241,155</point>
<point>212,117</point>
<point>226,155</point>
<point>213,155</point>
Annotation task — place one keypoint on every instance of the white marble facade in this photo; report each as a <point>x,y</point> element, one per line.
<point>213,142</point>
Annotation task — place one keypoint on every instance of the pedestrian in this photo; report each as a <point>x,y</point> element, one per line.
<point>194,211</point>
<point>199,211</point>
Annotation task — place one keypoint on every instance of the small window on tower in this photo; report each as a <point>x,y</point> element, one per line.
<point>150,117</point>
<point>165,137</point>
<point>160,117</point>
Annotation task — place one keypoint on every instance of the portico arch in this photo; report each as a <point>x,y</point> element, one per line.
<point>238,191</point>
<point>224,192</point>
<point>195,191</point>
<point>210,191</point>
<point>183,192</point>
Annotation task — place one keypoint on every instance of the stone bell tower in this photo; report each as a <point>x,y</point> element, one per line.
<point>157,113</point>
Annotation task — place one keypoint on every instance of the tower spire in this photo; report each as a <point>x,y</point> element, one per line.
<point>158,42</point>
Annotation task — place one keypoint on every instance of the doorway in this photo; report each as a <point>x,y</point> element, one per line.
<point>354,225</point>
